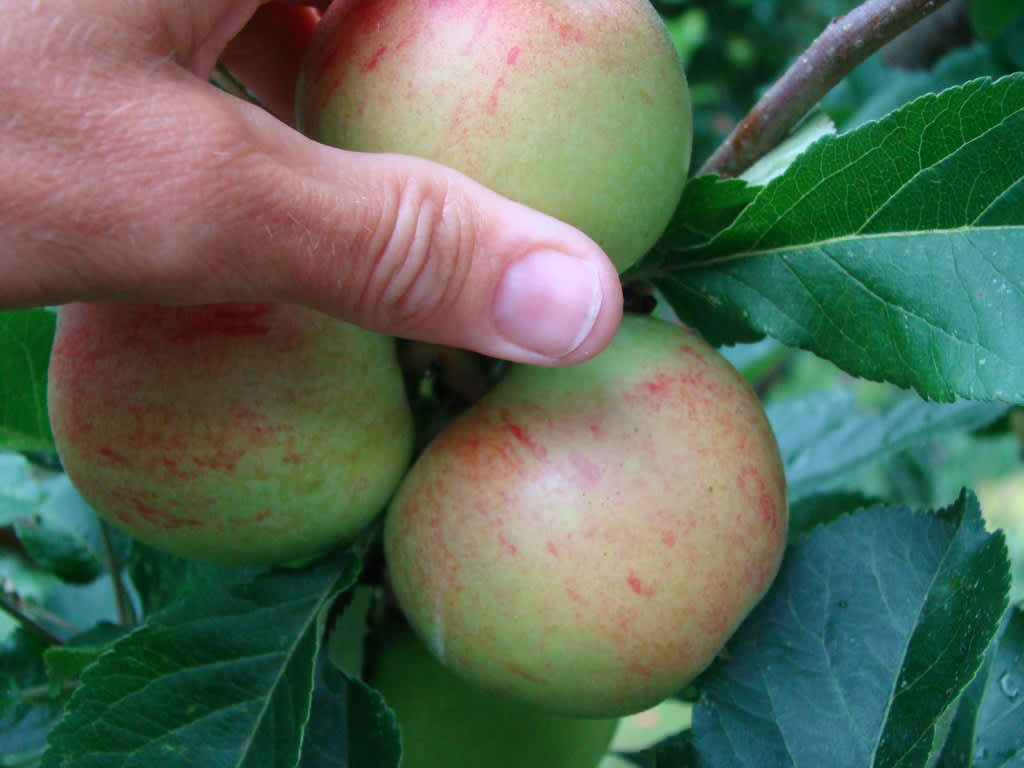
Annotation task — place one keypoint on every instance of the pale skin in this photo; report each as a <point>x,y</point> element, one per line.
<point>126,177</point>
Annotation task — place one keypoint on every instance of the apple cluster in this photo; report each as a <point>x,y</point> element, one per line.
<point>583,540</point>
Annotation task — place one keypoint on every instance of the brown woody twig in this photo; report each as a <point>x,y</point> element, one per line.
<point>846,42</point>
<point>12,605</point>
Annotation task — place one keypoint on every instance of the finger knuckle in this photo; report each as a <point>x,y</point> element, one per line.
<point>422,252</point>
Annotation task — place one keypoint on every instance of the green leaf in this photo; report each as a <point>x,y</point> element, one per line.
<point>26,712</point>
<point>1000,734</point>
<point>873,90</point>
<point>708,205</point>
<point>25,340</point>
<point>891,250</point>
<point>990,18</point>
<point>856,657</point>
<point>823,437</point>
<point>988,730</point>
<point>808,512</point>
<point>20,490</point>
<point>775,163</point>
<point>66,538</point>
<point>161,579</point>
<point>346,642</point>
<point>350,726</point>
<point>958,751</point>
<point>224,678</point>
<point>64,663</point>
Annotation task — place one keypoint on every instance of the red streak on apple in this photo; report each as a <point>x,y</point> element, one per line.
<point>638,587</point>
<point>372,63</point>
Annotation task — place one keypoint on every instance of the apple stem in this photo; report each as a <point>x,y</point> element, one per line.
<point>126,614</point>
<point>846,42</point>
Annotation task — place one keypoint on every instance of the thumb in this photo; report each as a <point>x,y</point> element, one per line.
<point>135,180</point>
<point>406,247</point>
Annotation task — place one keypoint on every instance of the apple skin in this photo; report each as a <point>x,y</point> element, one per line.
<point>586,539</point>
<point>245,434</point>
<point>578,108</point>
<point>447,723</point>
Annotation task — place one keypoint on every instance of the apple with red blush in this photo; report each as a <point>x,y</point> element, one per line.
<point>587,539</point>
<point>579,109</point>
<point>245,434</point>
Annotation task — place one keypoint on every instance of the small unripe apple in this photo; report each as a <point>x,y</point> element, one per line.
<point>586,539</point>
<point>248,434</point>
<point>578,108</point>
<point>447,723</point>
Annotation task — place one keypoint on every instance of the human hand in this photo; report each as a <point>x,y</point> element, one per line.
<point>125,176</point>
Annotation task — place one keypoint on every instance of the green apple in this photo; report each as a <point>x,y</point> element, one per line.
<point>249,434</point>
<point>578,108</point>
<point>448,723</point>
<point>586,539</point>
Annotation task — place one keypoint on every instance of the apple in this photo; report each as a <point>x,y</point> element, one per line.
<point>578,108</point>
<point>448,723</point>
<point>586,539</point>
<point>247,434</point>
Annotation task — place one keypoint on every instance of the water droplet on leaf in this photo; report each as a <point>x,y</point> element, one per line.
<point>1009,685</point>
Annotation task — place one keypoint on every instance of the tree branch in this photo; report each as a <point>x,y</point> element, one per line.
<point>846,42</point>
<point>925,43</point>
<point>12,605</point>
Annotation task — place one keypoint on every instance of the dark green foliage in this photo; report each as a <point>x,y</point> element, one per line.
<point>25,340</point>
<point>876,625</point>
